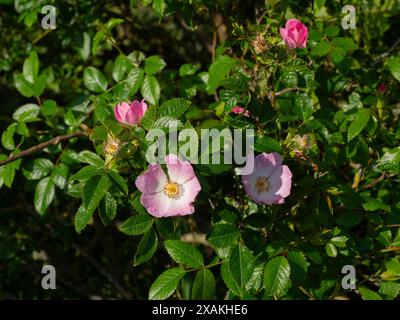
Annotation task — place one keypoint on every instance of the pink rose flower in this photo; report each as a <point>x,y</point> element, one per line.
<point>240,110</point>
<point>130,114</point>
<point>270,181</point>
<point>172,195</point>
<point>294,34</point>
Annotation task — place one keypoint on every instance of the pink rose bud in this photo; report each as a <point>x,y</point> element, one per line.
<point>240,110</point>
<point>294,34</point>
<point>130,114</point>
<point>382,88</point>
<point>169,194</point>
<point>270,182</point>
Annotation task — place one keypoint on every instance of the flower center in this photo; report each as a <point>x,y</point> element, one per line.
<point>262,184</point>
<point>111,148</point>
<point>172,189</point>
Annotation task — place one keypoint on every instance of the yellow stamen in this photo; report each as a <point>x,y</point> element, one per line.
<point>262,184</point>
<point>171,189</point>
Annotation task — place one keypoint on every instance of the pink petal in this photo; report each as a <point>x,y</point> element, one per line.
<point>160,205</point>
<point>267,163</point>
<point>179,171</point>
<point>120,111</point>
<point>131,117</point>
<point>143,107</point>
<point>292,23</point>
<point>281,181</point>
<point>152,180</point>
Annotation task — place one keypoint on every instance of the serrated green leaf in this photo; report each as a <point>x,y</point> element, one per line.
<point>44,194</point>
<point>59,175</point>
<point>31,67</point>
<point>146,248</point>
<point>224,235</point>
<point>219,69</point>
<point>86,172</point>
<point>331,250</point>
<point>393,266</point>
<point>154,64</point>
<point>184,253</point>
<point>174,108</point>
<point>368,294</point>
<point>94,80</point>
<point>120,68</point>
<point>165,284</point>
<point>137,225</point>
<point>150,89</point>
<point>7,138</point>
<point>107,209</point>
<point>135,80</point>
<point>203,285</point>
<point>241,263</point>
<point>37,169</point>
<point>358,124</point>
<point>91,158</point>
<point>393,64</point>
<point>94,190</point>
<point>229,281</point>
<point>277,277</point>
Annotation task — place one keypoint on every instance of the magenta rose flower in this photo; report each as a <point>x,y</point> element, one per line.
<point>240,110</point>
<point>130,113</point>
<point>270,181</point>
<point>294,34</point>
<point>382,88</point>
<point>171,194</point>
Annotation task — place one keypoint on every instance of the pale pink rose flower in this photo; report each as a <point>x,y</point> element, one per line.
<point>294,34</point>
<point>171,194</point>
<point>270,182</point>
<point>240,110</point>
<point>132,113</point>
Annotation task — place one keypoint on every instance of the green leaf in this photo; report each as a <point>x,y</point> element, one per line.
<point>82,218</point>
<point>37,169</point>
<point>98,38</point>
<point>9,172</point>
<point>154,64</point>
<point>187,70</point>
<point>137,225</point>
<point>393,64</point>
<point>224,235</point>
<point>44,194</point>
<point>165,284</point>
<point>174,107</point>
<point>359,123</point>
<point>27,112</point>
<point>49,108</point>
<point>219,69</point>
<point>368,294</point>
<point>94,190</point>
<point>150,89</point>
<point>159,7</point>
<point>113,22</point>
<point>321,49</point>
<point>393,266</point>
<point>118,181</point>
<point>86,172</point>
<point>31,67</point>
<point>59,175</point>
<point>390,289</point>
<point>39,85</point>
<point>7,138</point>
<point>331,250</point>
<point>256,280</point>
<point>184,253</point>
<point>94,80</point>
<point>390,160</point>
<point>146,248</point>
<point>149,117</point>
<point>277,277</point>
<point>91,158</point>
<point>241,263</point>
<point>267,144</point>
<point>339,241</point>
<point>203,285</point>
<point>346,43</point>
<point>24,87</point>
<point>303,106</point>
<point>230,282</point>
<point>332,31</point>
<point>107,209</point>
<point>135,80</point>
<point>120,68</point>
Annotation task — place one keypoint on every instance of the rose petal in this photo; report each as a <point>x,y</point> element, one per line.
<point>152,180</point>
<point>179,171</point>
